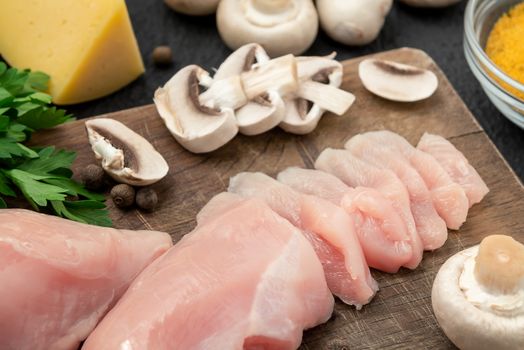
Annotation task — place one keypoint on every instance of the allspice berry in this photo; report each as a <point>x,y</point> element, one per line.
<point>146,198</point>
<point>162,56</point>
<point>123,195</point>
<point>93,177</point>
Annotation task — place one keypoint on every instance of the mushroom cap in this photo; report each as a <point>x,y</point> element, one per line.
<point>429,3</point>
<point>193,7</point>
<point>291,30</point>
<point>467,326</point>
<point>353,22</point>
<point>396,81</point>
<point>197,128</point>
<point>125,155</point>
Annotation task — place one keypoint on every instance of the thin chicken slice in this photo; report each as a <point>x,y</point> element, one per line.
<point>381,232</point>
<point>456,165</point>
<point>449,197</point>
<point>327,227</point>
<point>58,278</point>
<point>243,279</point>
<point>357,173</point>
<point>430,226</point>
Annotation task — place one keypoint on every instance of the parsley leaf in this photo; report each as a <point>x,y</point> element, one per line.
<point>8,149</point>
<point>5,189</point>
<point>74,189</point>
<point>43,117</point>
<point>85,211</point>
<point>42,175</point>
<point>35,191</point>
<point>49,162</point>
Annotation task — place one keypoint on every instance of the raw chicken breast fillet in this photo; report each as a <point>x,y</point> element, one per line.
<point>58,278</point>
<point>449,198</point>
<point>327,227</point>
<point>456,165</point>
<point>357,173</point>
<point>245,279</point>
<point>381,232</point>
<point>430,226</point>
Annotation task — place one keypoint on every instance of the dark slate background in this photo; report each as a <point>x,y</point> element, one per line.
<point>195,40</point>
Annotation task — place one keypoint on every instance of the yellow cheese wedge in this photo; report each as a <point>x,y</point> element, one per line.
<point>87,46</point>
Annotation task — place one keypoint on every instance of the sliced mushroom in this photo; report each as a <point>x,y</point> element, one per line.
<point>196,127</point>
<point>280,26</point>
<point>430,3</point>
<point>319,79</point>
<point>193,7</point>
<point>353,22</point>
<point>125,155</point>
<point>241,60</point>
<point>396,81</point>
<point>478,296</point>
<point>263,112</point>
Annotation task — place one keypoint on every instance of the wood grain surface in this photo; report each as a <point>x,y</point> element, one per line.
<point>400,316</point>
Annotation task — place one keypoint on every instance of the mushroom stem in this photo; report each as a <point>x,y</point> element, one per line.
<point>272,6</point>
<point>279,74</point>
<point>326,96</point>
<point>500,264</point>
<point>111,157</point>
<point>225,93</point>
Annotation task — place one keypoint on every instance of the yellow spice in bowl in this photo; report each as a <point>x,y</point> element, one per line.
<point>505,46</point>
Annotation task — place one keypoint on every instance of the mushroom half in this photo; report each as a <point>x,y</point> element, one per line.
<point>320,79</point>
<point>478,296</point>
<point>353,22</point>
<point>280,26</point>
<point>396,81</point>
<point>125,155</point>
<point>265,111</point>
<point>193,7</point>
<point>196,127</point>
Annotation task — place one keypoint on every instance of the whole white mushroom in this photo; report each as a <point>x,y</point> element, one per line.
<point>280,26</point>
<point>353,22</point>
<point>478,296</point>
<point>193,7</point>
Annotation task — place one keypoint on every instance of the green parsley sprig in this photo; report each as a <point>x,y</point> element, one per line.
<point>41,175</point>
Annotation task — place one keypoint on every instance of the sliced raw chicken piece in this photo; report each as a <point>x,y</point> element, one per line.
<point>245,279</point>
<point>449,198</point>
<point>220,204</point>
<point>456,165</point>
<point>381,232</point>
<point>328,228</point>
<point>58,278</point>
<point>357,173</point>
<point>430,226</point>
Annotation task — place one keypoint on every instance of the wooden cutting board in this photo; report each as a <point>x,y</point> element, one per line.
<point>400,316</point>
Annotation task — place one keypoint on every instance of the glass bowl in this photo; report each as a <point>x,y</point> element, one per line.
<point>479,19</point>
